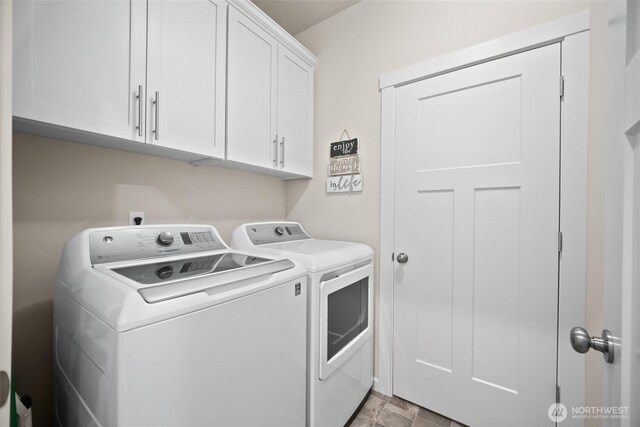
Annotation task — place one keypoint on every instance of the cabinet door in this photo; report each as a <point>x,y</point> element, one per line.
<point>295,113</point>
<point>251,92</point>
<point>185,75</point>
<point>79,64</point>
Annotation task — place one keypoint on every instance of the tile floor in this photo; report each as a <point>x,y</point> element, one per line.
<point>380,410</point>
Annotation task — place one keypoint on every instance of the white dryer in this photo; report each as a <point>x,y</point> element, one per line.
<point>340,314</point>
<point>165,325</point>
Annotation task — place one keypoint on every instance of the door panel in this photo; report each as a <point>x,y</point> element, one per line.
<point>87,76</point>
<point>494,131</point>
<point>186,57</point>
<point>295,88</point>
<point>251,92</point>
<point>496,273</point>
<point>477,210</point>
<point>434,344</point>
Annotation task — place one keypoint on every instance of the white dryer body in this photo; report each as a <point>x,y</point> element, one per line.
<point>340,314</point>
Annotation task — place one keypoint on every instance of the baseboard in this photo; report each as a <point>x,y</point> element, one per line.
<point>377,386</point>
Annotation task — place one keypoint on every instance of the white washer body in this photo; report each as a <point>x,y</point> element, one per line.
<point>337,383</point>
<point>191,344</point>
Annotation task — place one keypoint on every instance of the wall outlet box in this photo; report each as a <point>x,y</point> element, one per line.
<point>134,215</point>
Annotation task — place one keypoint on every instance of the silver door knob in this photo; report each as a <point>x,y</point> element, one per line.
<point>582,342</point>
<point>402,258</point>
<point>5,388</point>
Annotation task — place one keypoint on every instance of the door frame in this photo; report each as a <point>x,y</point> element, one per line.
<point>620,380</point>
<point>573,34</point>
<point>6,211</point>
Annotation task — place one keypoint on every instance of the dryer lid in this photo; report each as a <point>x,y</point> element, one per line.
<point>320,255</point>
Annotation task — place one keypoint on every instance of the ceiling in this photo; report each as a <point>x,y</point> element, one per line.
<point>296,16</point>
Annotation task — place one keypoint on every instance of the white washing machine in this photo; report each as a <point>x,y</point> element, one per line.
<point>165,325</point>
<point>340,314</point>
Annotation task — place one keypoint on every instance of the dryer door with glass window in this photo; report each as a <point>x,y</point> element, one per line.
<point>345,316</point>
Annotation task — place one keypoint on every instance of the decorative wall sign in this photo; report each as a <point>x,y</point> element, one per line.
<point>344,165</point>
<point>344,148</point>
<point>344,183</point>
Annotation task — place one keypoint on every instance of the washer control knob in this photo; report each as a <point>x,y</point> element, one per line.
<point>165,239</point>
<point>279,231</point>
<point>165,272</point>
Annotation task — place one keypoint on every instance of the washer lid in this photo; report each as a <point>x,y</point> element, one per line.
<point>168,270</point>
<point>172,278</point>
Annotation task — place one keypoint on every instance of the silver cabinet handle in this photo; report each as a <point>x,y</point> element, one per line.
<point>582,342</point>
<point>282,148</point>
<point>402,258</point>
<point>275,152</point>
<point>156,103</point>
<point>139,101</point>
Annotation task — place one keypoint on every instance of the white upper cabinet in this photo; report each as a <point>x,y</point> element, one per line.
<point>269,98</point>
<point>196,80</point>
<point>295,114</point>
<point>186,75</point>
<point>141,71</point>
<point>251,92</point>
<point>79,64</point>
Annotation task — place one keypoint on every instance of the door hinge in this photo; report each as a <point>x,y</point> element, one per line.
<point>561,87</point>
<point>557,393</point>
<point>559,242</point>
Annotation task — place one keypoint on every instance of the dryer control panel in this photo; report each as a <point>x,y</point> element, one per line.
<point>275,232</point>
<point>130,243</point>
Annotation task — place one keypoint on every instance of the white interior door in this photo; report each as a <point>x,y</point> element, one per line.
<point>477,208</point>
<point>6,224</point>
<point>622,249</point>
<point>186,71</point>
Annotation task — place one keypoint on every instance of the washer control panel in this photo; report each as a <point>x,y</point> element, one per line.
<point>263,234</point>
<point>150,241</point>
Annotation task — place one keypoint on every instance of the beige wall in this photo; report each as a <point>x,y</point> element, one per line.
<point>61,188</point>
<point>372,38</point>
